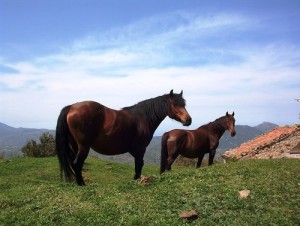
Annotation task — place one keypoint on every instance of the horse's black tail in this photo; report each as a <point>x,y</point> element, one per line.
<point>64,152</point>
<point>164,152</point>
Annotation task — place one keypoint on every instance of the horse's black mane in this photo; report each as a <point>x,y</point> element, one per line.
<point>157,102</point>
<point>156,107</point>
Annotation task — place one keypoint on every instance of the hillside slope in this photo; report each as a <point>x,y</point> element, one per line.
<point>277,143</point>
<point>32,194</point>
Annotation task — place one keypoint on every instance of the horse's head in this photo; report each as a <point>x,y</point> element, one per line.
<point>230,123</point>
<point>177,109</point>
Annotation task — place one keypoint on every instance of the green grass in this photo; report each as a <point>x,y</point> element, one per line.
<point>31,193</point>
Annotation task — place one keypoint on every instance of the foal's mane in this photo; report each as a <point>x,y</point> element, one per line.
<point>218,124</point>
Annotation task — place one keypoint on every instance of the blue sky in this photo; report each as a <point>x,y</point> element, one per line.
<point>241,56</point>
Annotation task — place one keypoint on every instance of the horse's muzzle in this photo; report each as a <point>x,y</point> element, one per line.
<point>233,133</point>
<point>187,122</point>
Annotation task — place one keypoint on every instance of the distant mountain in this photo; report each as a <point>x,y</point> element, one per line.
<point>266,126</point>
<point>13,139</point>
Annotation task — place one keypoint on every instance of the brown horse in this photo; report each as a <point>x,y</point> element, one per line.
<point>195,143</point>
<point>88,124</point>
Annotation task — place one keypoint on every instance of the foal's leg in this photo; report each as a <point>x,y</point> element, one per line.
<point>211,156</point>
<point>78,163</point>
<point>173,147</point>
<point>200,158</point>
<point>170,160</point>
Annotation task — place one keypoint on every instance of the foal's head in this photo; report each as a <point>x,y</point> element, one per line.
<point>177,109</point>
<point>230,123</point>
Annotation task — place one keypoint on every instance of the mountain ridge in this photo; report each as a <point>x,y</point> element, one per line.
<point>13,139</point>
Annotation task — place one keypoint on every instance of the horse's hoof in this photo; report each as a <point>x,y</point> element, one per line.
<point>81,183</point>
<point>136,177</point>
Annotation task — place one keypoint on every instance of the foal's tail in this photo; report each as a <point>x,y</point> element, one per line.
<point>64,152</point>
<point>164,152</point>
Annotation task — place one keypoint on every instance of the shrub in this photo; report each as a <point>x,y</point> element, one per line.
<point>45,148</point>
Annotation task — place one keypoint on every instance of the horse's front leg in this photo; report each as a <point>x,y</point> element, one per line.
<point>138,164</point>
<point>212,154</point>
<point>200,158</point>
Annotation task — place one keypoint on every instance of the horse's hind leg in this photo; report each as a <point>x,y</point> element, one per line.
<point>173,152</point>
<point>78,164</point>
<point>171,160</point>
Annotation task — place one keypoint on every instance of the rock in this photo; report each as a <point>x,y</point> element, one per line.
<point>244,194</point>
<point>273,144</point>
<point>145,181</point>
<point>191,214</point>
<point>296,149</point>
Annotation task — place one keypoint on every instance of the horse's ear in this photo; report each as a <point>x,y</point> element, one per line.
<point>233,113</point>
<point>171,94</point>
<point>226,113</point>
<point>181,93</point>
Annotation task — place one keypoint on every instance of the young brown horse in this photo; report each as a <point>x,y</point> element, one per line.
<point>88,124</point>
<point>195,143</point>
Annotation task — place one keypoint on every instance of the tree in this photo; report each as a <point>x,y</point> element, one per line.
<point>45,148</point>
<point>47,145</point>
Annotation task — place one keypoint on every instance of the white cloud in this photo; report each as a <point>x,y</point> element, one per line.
<point>123,67</point>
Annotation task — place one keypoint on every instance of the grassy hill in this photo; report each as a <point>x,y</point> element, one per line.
<point>32,194</point>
